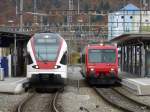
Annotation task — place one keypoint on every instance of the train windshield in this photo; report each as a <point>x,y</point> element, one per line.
<point>102,56</point>
<point>46,47</point>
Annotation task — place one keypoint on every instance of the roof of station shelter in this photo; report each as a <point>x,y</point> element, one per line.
<point>132,38</point>
<point>7,37</point>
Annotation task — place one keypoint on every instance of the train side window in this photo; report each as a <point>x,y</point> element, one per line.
<point>29,59</point>
<point>64,59</point>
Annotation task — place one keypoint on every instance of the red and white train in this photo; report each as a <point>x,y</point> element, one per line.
<point>100,64</point>
<point>47,60</point>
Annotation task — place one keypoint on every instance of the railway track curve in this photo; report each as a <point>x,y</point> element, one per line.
<point>49,100</point>
<point>120,101</point>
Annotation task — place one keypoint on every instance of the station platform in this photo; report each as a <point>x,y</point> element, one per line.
<point>12,85</point>
<point>135,84</point>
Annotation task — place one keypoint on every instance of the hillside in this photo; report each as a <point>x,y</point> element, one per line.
<point>8,9</point>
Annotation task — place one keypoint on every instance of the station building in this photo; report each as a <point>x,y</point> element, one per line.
<point>129,19</point>
<point>129,27</point>
<point>12,53</point>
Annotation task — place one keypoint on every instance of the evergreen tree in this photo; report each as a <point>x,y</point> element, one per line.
<point>106,6</point>
<point>100,6</point>
<point>86,6</point>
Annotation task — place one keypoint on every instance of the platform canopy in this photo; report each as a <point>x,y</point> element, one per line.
<point>134,53</point>
<point>7,38</point>
<point>132,38</point>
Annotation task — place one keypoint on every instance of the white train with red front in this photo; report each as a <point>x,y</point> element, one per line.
<point>47,60</point>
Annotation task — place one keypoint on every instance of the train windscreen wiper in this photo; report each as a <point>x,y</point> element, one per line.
<point>45,61</point>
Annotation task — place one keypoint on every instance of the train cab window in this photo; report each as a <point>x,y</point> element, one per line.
<point>46,48</point>
<point>64,59</point>
<point>102,56</point>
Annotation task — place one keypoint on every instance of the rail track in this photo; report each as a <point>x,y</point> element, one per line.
<point>48,103</point>
<point>120,101</point>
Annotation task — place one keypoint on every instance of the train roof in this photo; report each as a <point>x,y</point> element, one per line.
<point>47,35</point>
<point>101,46</point>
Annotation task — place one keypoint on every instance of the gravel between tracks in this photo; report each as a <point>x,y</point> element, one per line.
<point>8,101</point>
<point>120,101</point>
<point>83,100</point>
<point>141,99</point>
<point>39,103</point>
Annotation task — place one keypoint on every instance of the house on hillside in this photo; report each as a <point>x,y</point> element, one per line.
<point>128,20</point>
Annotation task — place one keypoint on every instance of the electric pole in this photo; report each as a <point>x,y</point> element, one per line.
<point>35,22</point>
<point>21,15</point>
<point>78,7</point>
<point>69,17</point>
<point>35,10</point>
<point>69,21</point>
<point>16,7</point>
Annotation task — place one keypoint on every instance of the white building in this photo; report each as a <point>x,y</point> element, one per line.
<point>128,20</point>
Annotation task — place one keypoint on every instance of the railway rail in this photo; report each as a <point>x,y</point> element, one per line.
<point>120,101</point>
<point>49,102</point>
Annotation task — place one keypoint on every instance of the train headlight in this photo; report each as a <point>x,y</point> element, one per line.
<point>101,44</point>
<point>112,70</point>
<point>36,66</point>
<point>92,69</point>
<point>57,66</point>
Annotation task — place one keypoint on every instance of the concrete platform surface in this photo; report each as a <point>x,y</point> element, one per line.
<point>139,86</point>
<point>12,85</point>
<point>124,75</point>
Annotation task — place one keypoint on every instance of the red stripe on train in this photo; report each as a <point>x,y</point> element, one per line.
<point>46,65</point>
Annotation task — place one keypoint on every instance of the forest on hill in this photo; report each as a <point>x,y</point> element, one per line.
<point>8,9</point>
